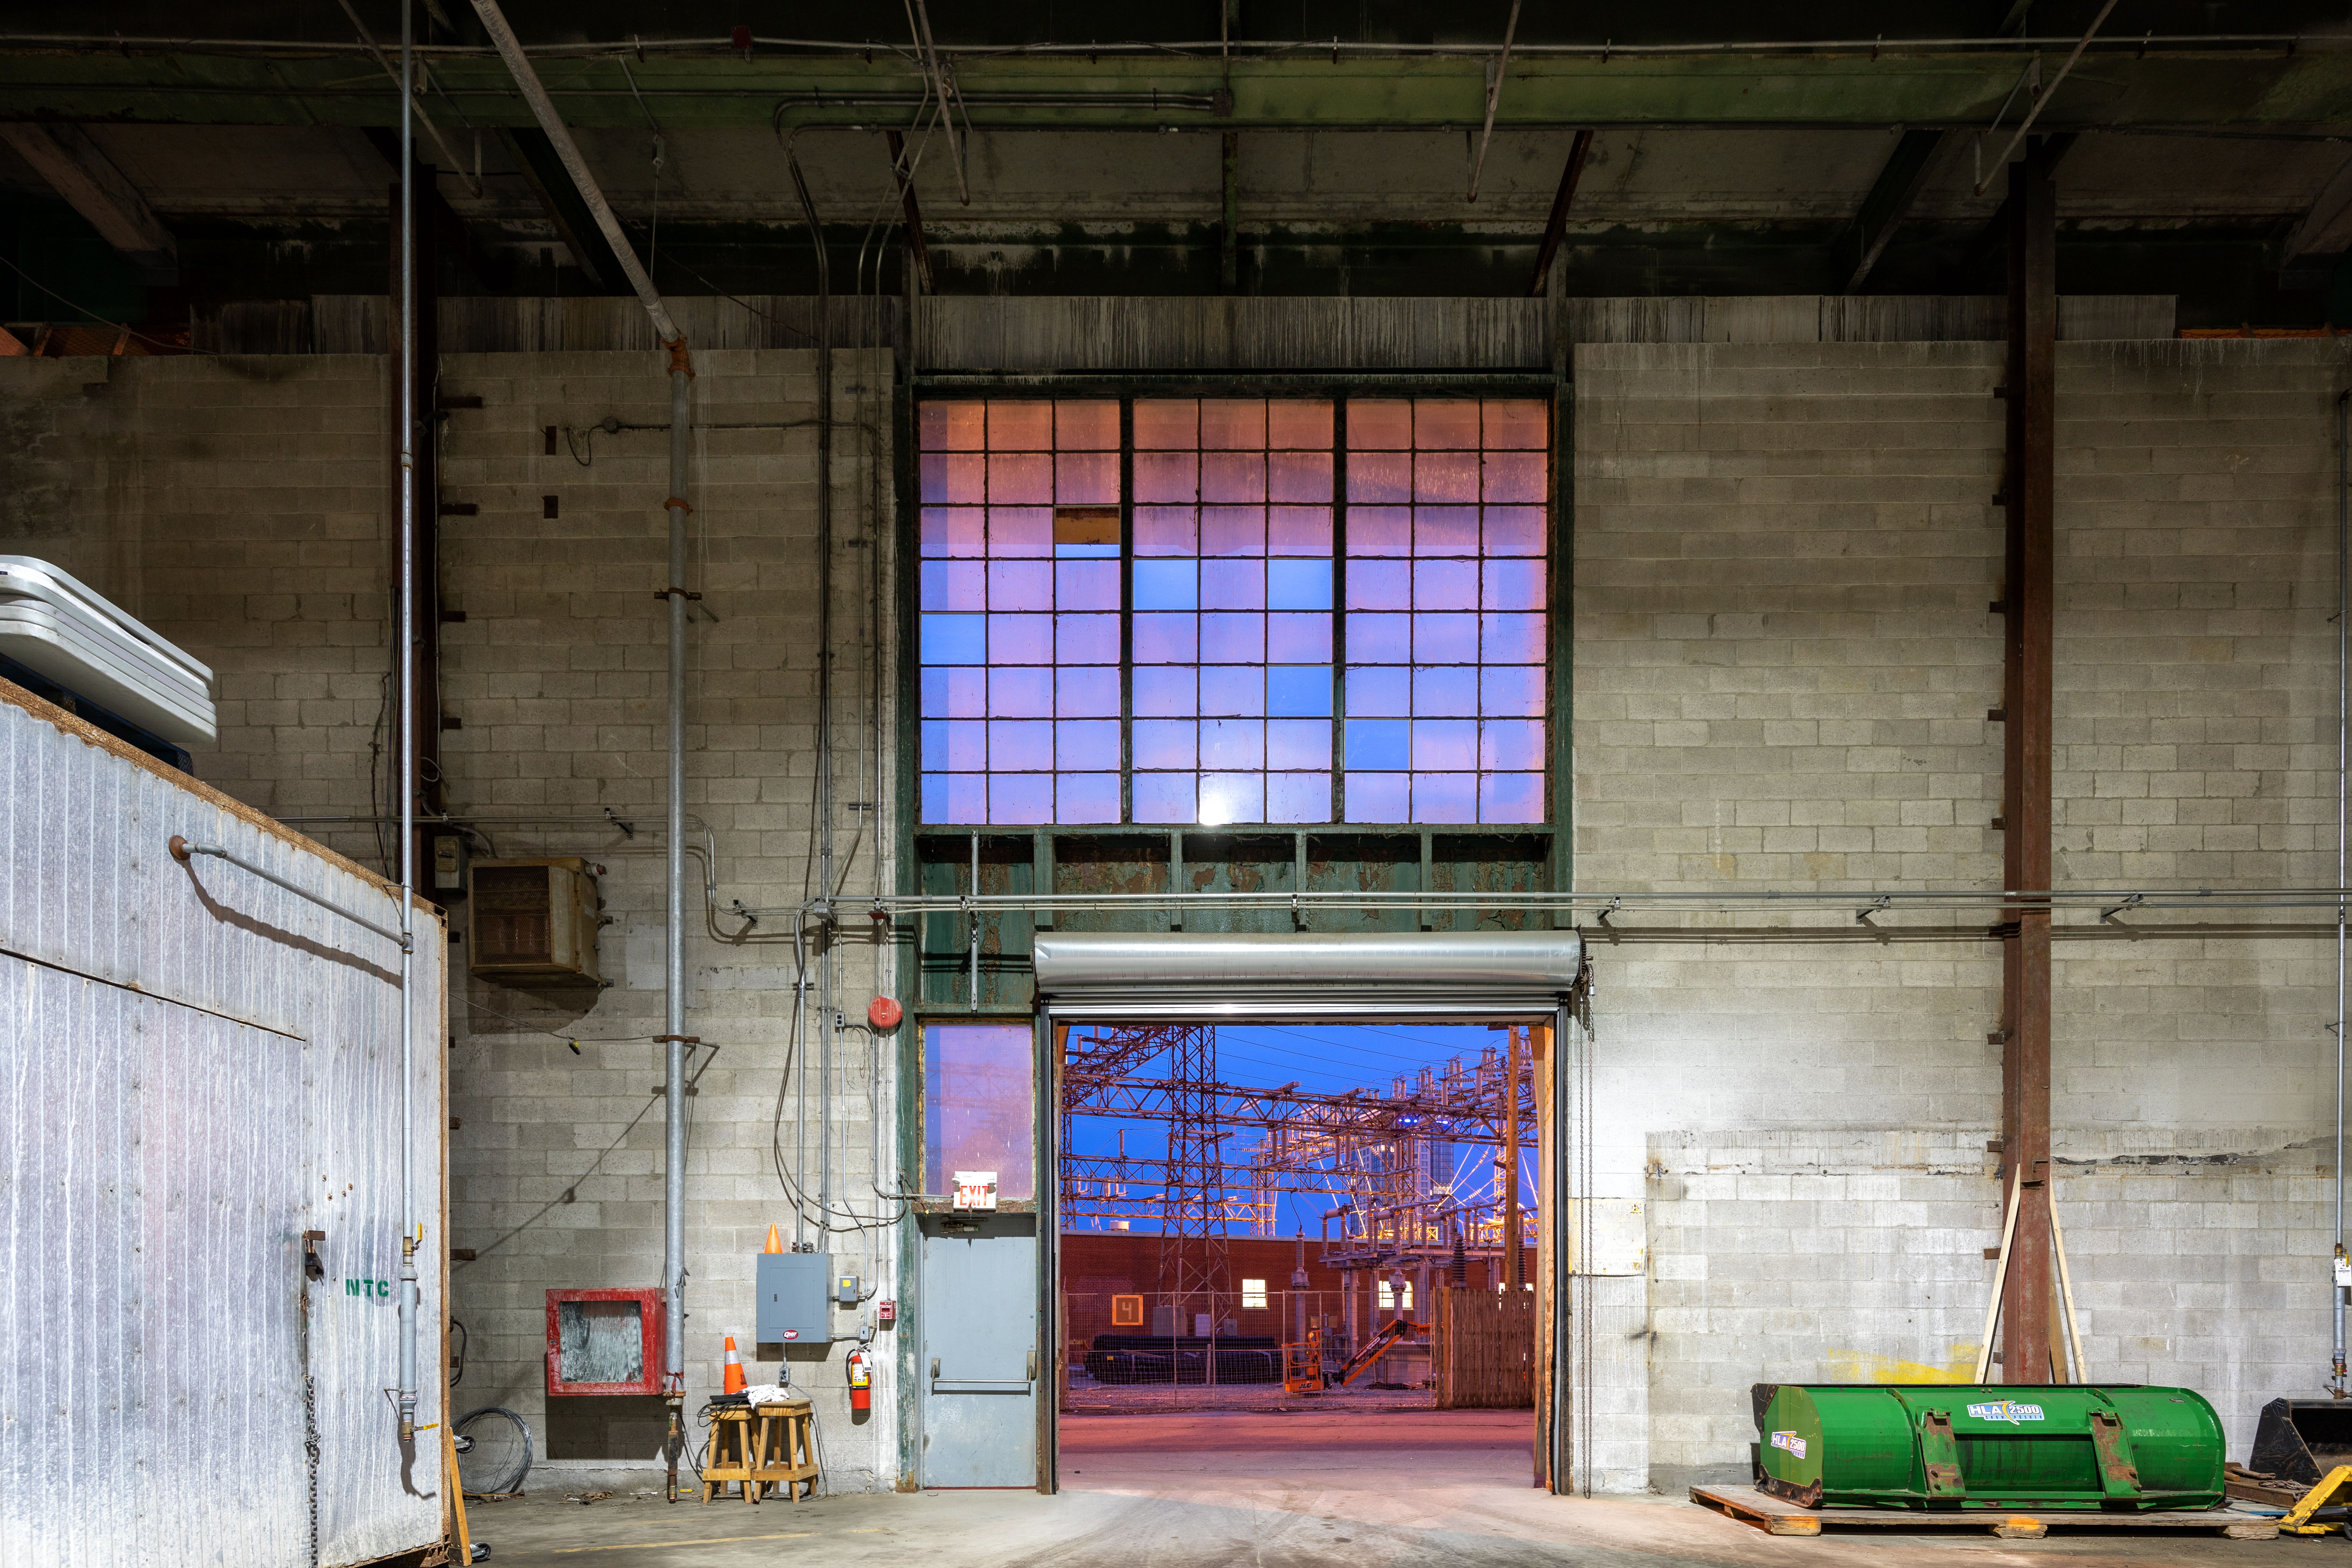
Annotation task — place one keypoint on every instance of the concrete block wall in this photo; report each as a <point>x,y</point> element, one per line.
<point>241,506</point>
<point>1783,663</point>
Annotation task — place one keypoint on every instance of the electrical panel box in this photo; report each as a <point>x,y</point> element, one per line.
<point>795,1303</point>
<point>534,922</point>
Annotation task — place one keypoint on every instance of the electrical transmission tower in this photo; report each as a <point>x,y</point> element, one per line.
<point>1193,1274</point>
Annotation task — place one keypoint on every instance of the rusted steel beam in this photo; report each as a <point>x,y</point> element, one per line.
<point>1556,227</point>
<point>2027,494</point>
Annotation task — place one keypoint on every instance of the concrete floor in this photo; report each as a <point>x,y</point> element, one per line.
<point>1272,1491</point>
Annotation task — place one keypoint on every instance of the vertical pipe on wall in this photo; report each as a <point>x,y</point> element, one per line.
<point>404,656</point>
<point>2343,756</point>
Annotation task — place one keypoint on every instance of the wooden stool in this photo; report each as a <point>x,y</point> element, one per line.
<point>730,1455</point>
<point>783,1453</point>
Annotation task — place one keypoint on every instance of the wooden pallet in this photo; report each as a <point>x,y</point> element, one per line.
<point>1775,1517</point>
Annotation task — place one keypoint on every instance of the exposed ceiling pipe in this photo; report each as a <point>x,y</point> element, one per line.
<point>674,1037</point>
<point>400,77</point>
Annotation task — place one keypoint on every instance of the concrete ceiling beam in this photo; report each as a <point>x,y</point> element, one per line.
<point>75,168</point>
<point>2326,228</point>
<point>2304,90</point>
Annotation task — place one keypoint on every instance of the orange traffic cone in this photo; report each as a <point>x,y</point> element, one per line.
<point>775,1240</point>
<point>734,1383</point>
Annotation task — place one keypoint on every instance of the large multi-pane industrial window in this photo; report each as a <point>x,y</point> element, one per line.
<point>1224,610</point>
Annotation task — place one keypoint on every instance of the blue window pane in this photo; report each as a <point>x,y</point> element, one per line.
<point>1086,585</point>
<point>1446,585</point>
<point>1232,638</point>
<point>954,640</point>
<point>1167,694</point>
<point>1377,798</point>
<point>1510,797</point>
<point>1380,639</point>
<point>1298,692</point>
<point>1377,743</point>
<point>956,745</point>
<point>1019,585</point>
<point>1378,693</point>
<point>1234,584</point>
<point>1090,693</point>
<point>1087,797</point>
<point>1091,744</point>
<point>1085,639</point>
<point>1167,585</point>
<point>1445,531</point>
<point>1020,639</point>
<point>954,586</point>
<point>1019,693</point>
<point>1167,638</point>
<point>955,693</point>
<point>1163,797</point>
<point>1167,743</point>
<point>1446,690</point>
<point>1233,743</point>
<point>955,797</point>
<point>1303,637</point>
<point>1516,744</point>
<point>1514,585</point>
<point>1380,584</point>
<point>1446,798</point>
<point>1066,551</point>
<point>1233,797</point>
<point>1298,744</point>
<point>1020,745</point>
<point>1513,639</point>
<point>1298,585</point>
<point>1299,797</point>
<point>1443,640</point>
<point>1514,530</point>
<point>1512,692</point>
<point>1236,692</point>
<point>1446,743</point>
<point>1021,798</point>
<point>1020,530</point>
<point>955,531</point>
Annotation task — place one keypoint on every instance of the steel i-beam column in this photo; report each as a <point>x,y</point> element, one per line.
<point>2026,491</point>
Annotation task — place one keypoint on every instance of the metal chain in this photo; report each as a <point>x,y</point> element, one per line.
<point>310,1424</point>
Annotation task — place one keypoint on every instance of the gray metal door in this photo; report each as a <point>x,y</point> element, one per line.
<point>979,1368</point>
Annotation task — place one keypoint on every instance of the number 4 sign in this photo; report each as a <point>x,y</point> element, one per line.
<point>975,1189</point>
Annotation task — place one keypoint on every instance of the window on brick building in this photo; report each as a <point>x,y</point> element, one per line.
<point>1252,1295</point>
<point>1182,610</point>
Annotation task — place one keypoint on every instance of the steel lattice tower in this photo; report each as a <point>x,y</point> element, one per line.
<point>1192,1272</point>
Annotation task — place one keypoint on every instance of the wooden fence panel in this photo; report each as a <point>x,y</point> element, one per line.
<point>1484,1349</point>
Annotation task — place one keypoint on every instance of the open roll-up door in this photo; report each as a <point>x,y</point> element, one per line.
<point>1475,976</point>
<point>1151,976</point>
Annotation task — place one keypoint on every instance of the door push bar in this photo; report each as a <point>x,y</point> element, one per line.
<point>982,1385</point>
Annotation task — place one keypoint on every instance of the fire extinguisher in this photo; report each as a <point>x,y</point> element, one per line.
<point>861,1379</point>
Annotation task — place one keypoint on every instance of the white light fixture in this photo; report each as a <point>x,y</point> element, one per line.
<point>54,625</point>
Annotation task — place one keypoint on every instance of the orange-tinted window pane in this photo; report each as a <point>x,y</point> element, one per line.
<point>1023,426</point>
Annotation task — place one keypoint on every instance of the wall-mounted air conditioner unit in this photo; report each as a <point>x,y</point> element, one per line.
<point>534,922</point>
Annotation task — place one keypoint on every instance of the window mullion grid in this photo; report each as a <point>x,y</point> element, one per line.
<point>1126,609</point>
<point>1338,608</point>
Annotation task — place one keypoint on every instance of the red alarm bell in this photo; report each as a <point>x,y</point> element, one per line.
<point>883,1012</point>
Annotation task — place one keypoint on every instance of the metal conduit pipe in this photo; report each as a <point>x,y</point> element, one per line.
<point>2343,756</point>
<point>412,1227</point>
<point>183,850</point>
<point>674,1037</point>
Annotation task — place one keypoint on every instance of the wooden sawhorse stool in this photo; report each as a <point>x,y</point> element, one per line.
<point>759,1447</point>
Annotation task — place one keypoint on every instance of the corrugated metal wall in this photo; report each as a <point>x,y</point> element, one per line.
<point>196,1067</point>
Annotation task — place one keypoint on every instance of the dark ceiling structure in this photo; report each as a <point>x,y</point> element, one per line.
<point>153,163</point>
